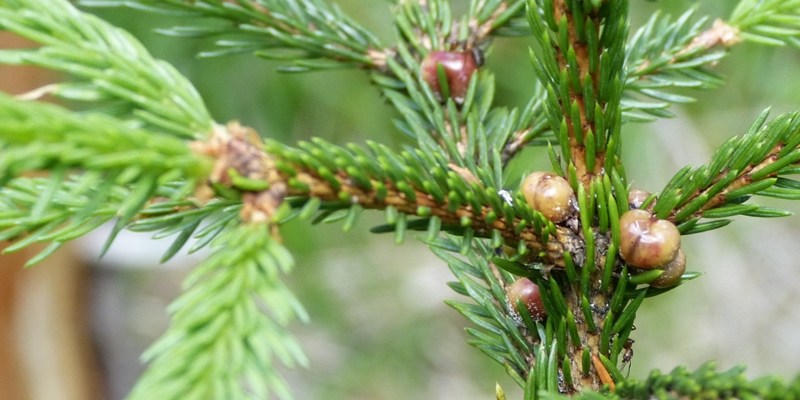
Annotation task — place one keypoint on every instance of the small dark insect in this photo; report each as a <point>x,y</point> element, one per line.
<point>478,55</point>
<point>627,355</point>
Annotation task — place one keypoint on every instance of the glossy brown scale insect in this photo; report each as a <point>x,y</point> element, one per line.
<point>673,271</point>
<point>550,194</point>
<point>528,293</point>
<point>647,242</point>
<point>458,69</point>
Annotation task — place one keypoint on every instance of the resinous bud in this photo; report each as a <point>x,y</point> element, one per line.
<point>673,271</point>
<point>550,194</point>
<point>647,242</point>
<point>528,293</point>
<point>458,70</point>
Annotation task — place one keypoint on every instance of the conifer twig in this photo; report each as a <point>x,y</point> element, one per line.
<point>115,73</point>
<point>582,79</point>
<point>574,54</point>
<point>288,173</point>
<point>719,35</point>
<point>743,166</point>
<point>584,83</point>
<point>489,17</point>
<point>220,344</point>
<point>313,33</point>
<point>770,22</point>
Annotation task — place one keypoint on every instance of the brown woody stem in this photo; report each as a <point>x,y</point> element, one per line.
<point>587,171</point>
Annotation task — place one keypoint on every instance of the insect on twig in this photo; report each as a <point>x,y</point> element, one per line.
<point>627,355</point>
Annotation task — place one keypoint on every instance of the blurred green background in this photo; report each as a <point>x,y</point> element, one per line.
<point>380,329</point>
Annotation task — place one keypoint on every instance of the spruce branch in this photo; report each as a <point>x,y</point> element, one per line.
<point>316,35</point>
<point>502,334</point>
<point>100,168</point>
<point>661,55</point>
<point>221,343</point>
<point>58,209</point>
<point>770,22</point>
<point>658,57</point>
<point>665,54</point>
<point>467,128</point>
<point>469,134</point>
<point>68,204</point>
<point>308,33</point>
<point>104,167</point>
<point>423,185</point>
<point>416,184</point>
<point>37,135</point>
<point>66,213</point>
<point>583,76</point>
<point>313,34</point>
<point>703,383</point>
<point>742,167</point>
<point>115,74</point>
<point>430,25</point>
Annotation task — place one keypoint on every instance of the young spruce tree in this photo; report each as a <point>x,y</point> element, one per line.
<point>556,266</point>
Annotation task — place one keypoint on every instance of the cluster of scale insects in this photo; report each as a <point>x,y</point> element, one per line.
<point>646,242</point>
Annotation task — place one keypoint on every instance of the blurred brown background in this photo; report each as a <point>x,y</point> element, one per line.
<point>73,326</point>
<point>45,340</point>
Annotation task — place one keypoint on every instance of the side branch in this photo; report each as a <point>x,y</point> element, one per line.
<point>719,35</point>
<point>742,167</point>
<point>240,157</point>
<point>743,179</point>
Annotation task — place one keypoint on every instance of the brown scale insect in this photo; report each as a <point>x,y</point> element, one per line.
<point>647,242</point>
